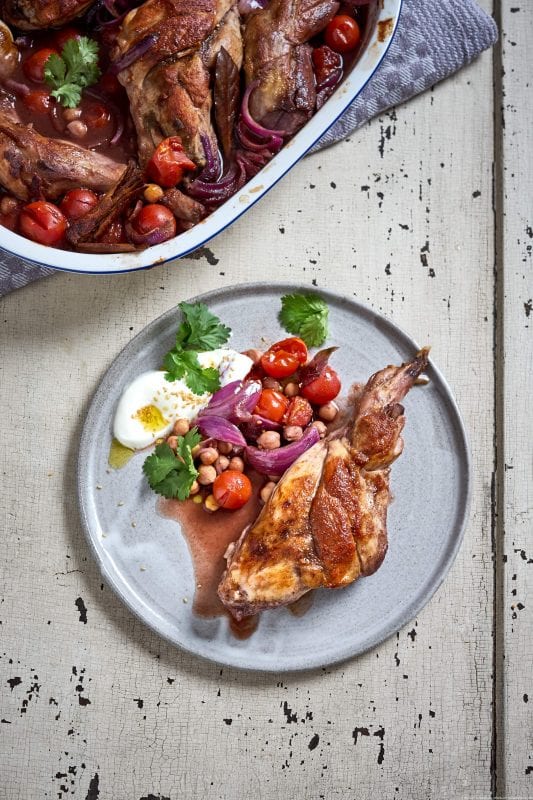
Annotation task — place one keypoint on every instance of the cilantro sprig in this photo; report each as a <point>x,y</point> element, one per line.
<point>173,474</point>
<point>199,332</point>
<point>75,68</point>
<point>305,315</point>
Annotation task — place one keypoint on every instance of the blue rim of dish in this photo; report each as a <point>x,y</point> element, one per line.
<point>250,205</point>
<point>427,590</point>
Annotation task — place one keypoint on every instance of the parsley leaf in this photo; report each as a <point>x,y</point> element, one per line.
<point>75,68</point>
<point>305,315</point>
<point>173,475</point>
<point>199,332</point>
<point>184,364</point>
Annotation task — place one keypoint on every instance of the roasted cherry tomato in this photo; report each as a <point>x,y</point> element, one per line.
<point>272,405</point>
<point>169,163</point>
<point>64,35</point>
<point>43,222</point>
<point>39,101</point>
<point>284,358</point>
<point>232,489</point>
<point>154,216</point>
<point>96,115</point>
<point>33,67</point>
<point>325,61</point>
<point>342,34</point>
<point>78,202</point>
<point>299,412</point>
<point>323,389</point>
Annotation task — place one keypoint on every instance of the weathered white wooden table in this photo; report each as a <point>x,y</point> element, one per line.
<point>424,215</point>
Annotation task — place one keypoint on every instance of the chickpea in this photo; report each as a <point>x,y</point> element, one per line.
<point>181,427</point>
<point>237,464</point>
<point>197,449</point>
<point>225,448</point>
<point>321,428</point>
<point>8,205</point>
<point>210,504</point>
<point>70,114</point>
<point>221,464</point>
<point>198,499</point>
<point>292,433</point>
<point>153,193</point>
<point>254,354</point>
<point>172,442</point>
<point>269,440</point>
<point>77,128</point>
<point>266,491</point>
<point>328,411</point>
<point>291,389</point>
<point>209,455</point>
<point>206,474</point>
<point>195,488</point>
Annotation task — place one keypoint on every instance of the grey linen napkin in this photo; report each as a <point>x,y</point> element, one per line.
<point>435,38</point>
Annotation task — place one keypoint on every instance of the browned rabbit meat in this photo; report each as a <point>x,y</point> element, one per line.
<point>34,166</point>
<point>36,14</point>
<point>325,523</point>
<point>168,85</point>
<point>277,56</point>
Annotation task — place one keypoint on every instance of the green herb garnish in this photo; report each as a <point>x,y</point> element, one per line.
<point>305,315</point>
<point>171,474</point>
<point>75,68</point>
<point>199,332</point>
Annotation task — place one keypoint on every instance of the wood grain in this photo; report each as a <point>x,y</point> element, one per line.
<point>514,690</point>
<point>93,705</point>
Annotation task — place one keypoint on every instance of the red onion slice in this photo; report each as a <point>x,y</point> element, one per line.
<point>275,462</point>
<point>274,137</point>
<point>310,372</point>
<point>134,53</point>
<point>234,402</point>
<point>211,171</point>
<point>219,428</point>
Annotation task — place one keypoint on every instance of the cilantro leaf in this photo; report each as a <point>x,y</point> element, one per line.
<point>75,68</point>
<point>184,364</point>
<point>200,330</point>
<point>173,475</point>
<point>305,315</point>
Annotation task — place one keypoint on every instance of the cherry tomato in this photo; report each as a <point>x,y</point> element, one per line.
<point>323,389</point>
<point>77,203</point>
<point>96,115</point>
<point>232,489</point>
<point>343,34</point>
<point>33,67</point>
<point>154,216</point>
<point>272,405</point>
<point>284,358</point>
<point>43,222</point>
<point>169,163</point>
<point>39,101</point>
<point>299,412</point>
<point>325,61</point>
<point>64,35</point>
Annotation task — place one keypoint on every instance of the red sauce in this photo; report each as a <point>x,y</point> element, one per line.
<point>208,536</point>
<point>54,125</point>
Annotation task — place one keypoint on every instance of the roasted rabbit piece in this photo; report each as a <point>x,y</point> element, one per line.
<point>278,58</point>
<point>168,84</point>
<point>325,523</point>
<point>34,166</point>
<point>30,15</point>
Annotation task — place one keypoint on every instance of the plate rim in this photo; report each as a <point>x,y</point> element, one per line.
<point>428,590</point>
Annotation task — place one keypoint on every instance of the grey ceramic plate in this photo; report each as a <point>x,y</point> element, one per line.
<point>430,483</point>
